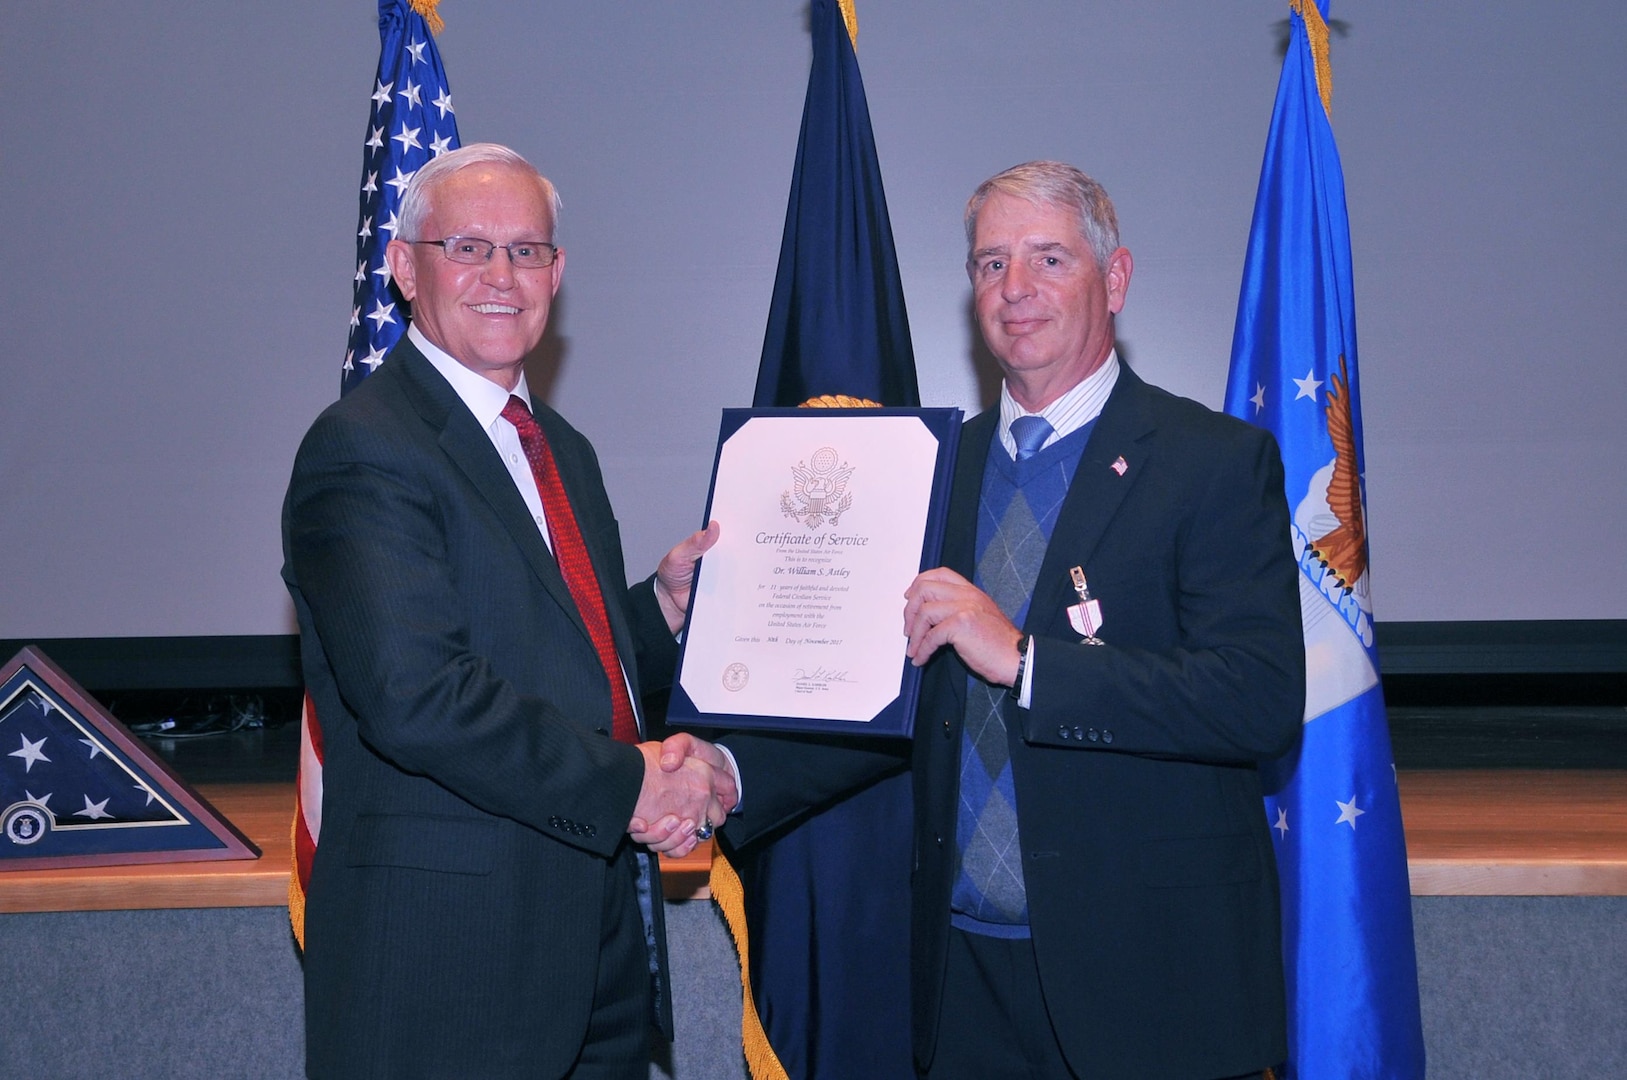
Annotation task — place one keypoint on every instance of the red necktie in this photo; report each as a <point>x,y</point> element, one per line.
<point>574,565</point>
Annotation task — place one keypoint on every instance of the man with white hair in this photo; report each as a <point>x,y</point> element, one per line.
<point>1112,646</point>
<point>478,906</point>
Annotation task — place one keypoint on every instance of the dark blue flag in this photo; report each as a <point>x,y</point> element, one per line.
<point>1333,806</point>
<point>827,905</point>
<point>411,122</point>
<point>836,324</point>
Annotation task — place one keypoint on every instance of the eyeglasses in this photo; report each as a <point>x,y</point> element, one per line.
<point>523,254</point>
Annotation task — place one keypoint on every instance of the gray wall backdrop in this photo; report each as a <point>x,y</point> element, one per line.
<point>178,201</point>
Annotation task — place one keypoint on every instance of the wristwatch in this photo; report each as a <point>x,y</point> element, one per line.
<point>1024,643</point>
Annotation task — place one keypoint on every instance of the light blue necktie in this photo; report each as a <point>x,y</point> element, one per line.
<point>1030,433</point>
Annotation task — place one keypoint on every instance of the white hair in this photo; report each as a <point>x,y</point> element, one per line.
<point>415,202</point>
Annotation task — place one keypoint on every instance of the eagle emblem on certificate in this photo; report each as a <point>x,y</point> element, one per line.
<point>818,493</point>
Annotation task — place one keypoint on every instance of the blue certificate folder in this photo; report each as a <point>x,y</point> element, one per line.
<point>797,613</point>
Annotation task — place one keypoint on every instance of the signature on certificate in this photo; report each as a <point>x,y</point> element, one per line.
<point>821,675</point>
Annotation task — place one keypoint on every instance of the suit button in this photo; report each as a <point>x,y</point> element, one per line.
<point>1063,733</point>
<point>1079,733</point>
<point>946,727</point>
<point>1092,735</point>
<point>593,830</point>
<point>1107,736</point>
<point>937,838</point>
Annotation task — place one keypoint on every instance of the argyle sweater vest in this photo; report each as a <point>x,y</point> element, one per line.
<point>1017,512</point>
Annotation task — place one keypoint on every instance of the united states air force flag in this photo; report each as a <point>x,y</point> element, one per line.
<point>411,121</point>
<point>1333,805</point>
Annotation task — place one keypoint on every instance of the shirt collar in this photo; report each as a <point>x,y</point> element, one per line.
<point>483,397</point>
<point>1068,413</point>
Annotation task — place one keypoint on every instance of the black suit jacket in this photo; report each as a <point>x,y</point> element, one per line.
<point>1151,881</point>
<point>475,800</point>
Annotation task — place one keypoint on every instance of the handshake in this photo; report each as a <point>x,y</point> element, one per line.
<point>689,788</point>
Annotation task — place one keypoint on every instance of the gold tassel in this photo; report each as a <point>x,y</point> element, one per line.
<point>1317,31</point>
<point>730,896</point>
<point>850,16</point>
<point>432,18</point>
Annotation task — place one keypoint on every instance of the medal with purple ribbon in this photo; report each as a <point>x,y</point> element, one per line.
<point>1086,615</point>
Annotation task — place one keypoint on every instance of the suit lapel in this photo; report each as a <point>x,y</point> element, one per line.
<point>470,450</point>
<point>960,550</point>
<point>1113,460</point>
<point>960,534</point>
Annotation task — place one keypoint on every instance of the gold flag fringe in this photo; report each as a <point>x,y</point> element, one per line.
<point>730,896</point>
<point>1317,31</point>
<point>839,401</point>
<point>432,18</point>
<point>296,895</point>
<point>850,16</point>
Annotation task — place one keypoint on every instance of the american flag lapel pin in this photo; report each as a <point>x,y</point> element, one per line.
<point>1120,466</point>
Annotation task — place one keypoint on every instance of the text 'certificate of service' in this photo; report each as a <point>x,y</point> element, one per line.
<point>797,617</point>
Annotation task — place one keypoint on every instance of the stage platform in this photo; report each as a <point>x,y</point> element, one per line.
<point>1496,832</point>
<point>1519,881</point>
<point>264,813</point>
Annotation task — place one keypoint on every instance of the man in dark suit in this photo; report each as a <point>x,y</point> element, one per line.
<point>477,907</point>
<point>1112,645</point>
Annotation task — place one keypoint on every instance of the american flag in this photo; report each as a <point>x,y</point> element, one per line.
<point>63,786</point>
<point>78,789</point>
<point>411,121</point>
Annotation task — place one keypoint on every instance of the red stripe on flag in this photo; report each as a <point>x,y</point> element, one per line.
<point>307,816</point>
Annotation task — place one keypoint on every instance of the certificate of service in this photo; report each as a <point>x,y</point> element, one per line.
<point>797,617</point>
